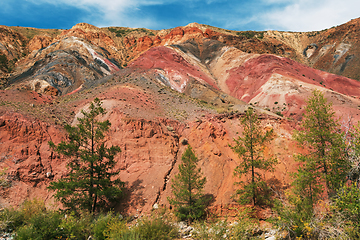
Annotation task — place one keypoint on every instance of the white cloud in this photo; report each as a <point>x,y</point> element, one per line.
<point>309,15</point>
<point>117,12</point>
<point>292,15</point>
<point>121,12</point>
<point>108,12</point>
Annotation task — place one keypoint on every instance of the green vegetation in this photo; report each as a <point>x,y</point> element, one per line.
<point>319,204</point>
<point>33,221</point>
<point>279,113</point>
<point>4,182</point>
<point>187,189</point>
<point>250,150</point>
<point>156,228</point>
<point>313,34</point>
<point>325,164</point>
<point>90,184</point>
<point>29,33</point>
<point>3,62</point>
<point>251,34</point>
<point>7,65</point>
<point>243,229</point>
<point>347,203</point>
<point>123,32</point>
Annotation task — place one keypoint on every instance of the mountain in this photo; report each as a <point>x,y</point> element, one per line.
<point>164,90</point>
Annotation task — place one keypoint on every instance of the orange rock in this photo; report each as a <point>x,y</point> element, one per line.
<point>157,41</point>
<point>176,33</point>
<point>143,43</point>
<point>192,30</point>
<point>210,33</point>
<point>39,42</point>
<point>129,41</point>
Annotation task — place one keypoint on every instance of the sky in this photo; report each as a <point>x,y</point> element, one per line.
<point>240,15</point>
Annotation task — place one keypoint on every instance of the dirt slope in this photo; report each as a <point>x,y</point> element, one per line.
<point>151,123</point>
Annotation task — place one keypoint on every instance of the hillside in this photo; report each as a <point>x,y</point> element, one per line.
<point>162,91</point>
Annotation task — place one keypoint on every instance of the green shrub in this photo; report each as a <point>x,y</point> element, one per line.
<point>293,215</point>
<point>117,230</point>
<point>108,225</point>
<point>29,209</point>
<point>25,232</point>
<point>3,62</point>
<point>214,230</point>
<point>42,226</point>
<point>77,226</point>
<point>279,114</point>
<point>126,235</point>
<point>246,224</point>
<point>10,220</point>
<point>347,203</point>
<point>155,229</point>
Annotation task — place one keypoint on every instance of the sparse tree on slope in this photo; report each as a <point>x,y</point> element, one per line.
<point>320,134</point>
<point>90,182</point>
<point>187,189</point>
<point>250,149</point>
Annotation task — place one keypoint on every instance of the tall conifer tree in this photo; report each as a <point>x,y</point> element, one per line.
<point>90,182</point>
<point>250,148</point>
<point>324,165</point>
<point>187,188</point>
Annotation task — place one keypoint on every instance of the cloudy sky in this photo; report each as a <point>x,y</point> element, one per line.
<point>287,15</point>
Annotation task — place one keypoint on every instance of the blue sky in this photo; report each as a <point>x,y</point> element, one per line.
<point>285,15</point>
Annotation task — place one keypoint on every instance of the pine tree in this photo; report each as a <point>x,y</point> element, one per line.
<point>324,165</point>
<point>250,149</point>
<point>90,182</point>
<point>187,189</point>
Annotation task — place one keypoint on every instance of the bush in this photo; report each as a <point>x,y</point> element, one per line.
<point>117,230</point>
<point>155,229</point>
<point>279,114</point>
<point>42,226</point>
<point>300,220</point>
<point>245,225</point>
<point>3,62</point>
<point>347,203</point>
<point>293,215</point>
<point>108,225</point>
<point>214,230</point>
<point>12,219</point>
<point>77,226</point>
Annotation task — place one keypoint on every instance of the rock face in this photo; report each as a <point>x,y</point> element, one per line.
<point>26,156</point>
<point>39,42</point>
<point>10,43</point>
<point>333,50</point>
<point>151,153</point>
<point>64,66</point>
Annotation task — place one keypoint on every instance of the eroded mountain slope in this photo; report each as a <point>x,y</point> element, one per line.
<point>153,126</point>
<point>275,83</point>
<point>188,85</point>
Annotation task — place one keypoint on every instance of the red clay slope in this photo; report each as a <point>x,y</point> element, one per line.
<point>276,83</point>
<point>170,63</point>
